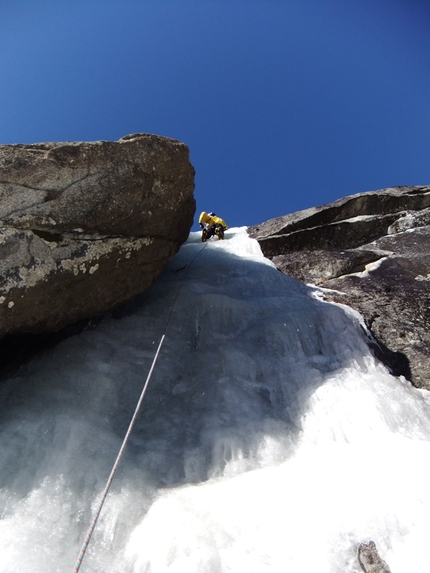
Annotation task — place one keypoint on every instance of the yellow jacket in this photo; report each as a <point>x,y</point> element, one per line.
<point>208,220</point>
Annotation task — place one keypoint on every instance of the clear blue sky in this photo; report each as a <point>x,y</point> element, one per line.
<point>284,104</point>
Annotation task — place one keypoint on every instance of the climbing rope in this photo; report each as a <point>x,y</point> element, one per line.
<point>130,427</point>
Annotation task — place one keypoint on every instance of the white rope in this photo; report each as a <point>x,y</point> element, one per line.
<point>116,464</point>
<point>130,428</point>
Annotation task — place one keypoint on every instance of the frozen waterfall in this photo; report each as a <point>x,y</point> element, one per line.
<point>269,440</point>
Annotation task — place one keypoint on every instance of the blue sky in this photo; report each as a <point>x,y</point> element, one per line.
<point>284,104</point>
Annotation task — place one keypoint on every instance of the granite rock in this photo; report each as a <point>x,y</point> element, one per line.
<point>370,251</point>
<point>85,226</point>
<point>370,560</point>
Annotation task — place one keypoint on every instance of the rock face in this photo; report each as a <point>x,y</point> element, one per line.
<point>369,559</point>
<point>372,250</point>
<point>87,226</point>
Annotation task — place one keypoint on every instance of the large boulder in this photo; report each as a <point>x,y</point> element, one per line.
<point>370,251</point>
<point>85,226</point>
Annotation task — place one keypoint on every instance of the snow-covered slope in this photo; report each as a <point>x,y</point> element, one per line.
<point>269,438</point>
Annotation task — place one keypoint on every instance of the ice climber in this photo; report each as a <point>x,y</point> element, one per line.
<point>212,225</point>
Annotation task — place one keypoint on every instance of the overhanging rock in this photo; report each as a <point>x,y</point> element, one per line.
<point>86,226</point>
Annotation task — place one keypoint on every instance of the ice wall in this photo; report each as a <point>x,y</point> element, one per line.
<point>269,438</point>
